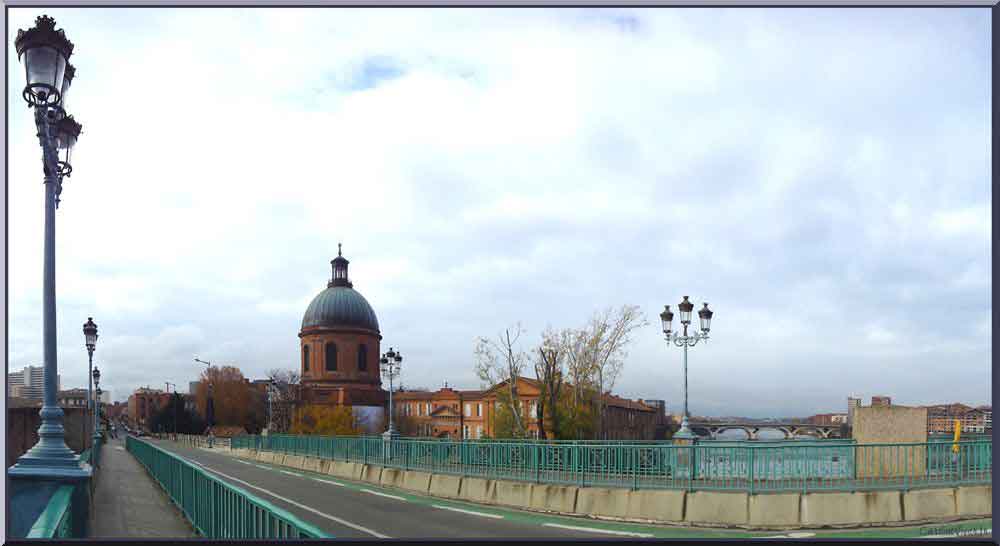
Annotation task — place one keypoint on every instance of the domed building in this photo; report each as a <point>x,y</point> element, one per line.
<point>339,346</point>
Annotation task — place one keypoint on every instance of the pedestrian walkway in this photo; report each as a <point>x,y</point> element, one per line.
<point>129,503</point>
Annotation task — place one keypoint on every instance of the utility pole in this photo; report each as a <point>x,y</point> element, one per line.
<point>175,404</point>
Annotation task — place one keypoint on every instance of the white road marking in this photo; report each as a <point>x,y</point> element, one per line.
<point>383,494</point>
<point>470,512</point>
<point>244,462</point>
<point>293,503</point>
<point>290,473</point>
<point>594,530</point>
<point>262,466</point>
<point>120,448</point>
<point>329,482</point>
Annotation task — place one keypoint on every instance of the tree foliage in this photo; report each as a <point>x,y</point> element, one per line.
<point>231,395</point>
<point>173,412</point>
<point>501,359</point>
<point>324,420</point>
<point>284,393</point>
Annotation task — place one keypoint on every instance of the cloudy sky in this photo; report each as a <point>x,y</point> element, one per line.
<point>820,177</point>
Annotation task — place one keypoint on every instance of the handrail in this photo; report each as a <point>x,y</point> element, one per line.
<point>55,521</point>
<point>216,508</point>
<point>747,466</point>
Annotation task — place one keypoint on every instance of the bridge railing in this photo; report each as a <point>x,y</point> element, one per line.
<point>215,508</point>
<point>821,465</point>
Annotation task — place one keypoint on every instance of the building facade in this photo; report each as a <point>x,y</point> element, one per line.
<point>852,403</point>
<point>881,401</point>
<point>941,418</point>
<point>471,414</point>
<point>72,398</point>
<point>144,403</point>
<point>29,383</point>
<point>339,350</point>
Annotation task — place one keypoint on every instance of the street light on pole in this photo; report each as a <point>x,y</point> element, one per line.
<point>90,335</point>
<point>45,53</point>
<point>175,404</point>
<point>389,364</point>
<point>684,340</point>
<point>96,444</point>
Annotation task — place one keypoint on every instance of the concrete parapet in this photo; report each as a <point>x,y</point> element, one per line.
<point>391,477</point>
<point>717,508</point>
<point>883,506</point>
<point>600,501</point>
<point>658,505</point>
<point>323,467</point>
<point>554,498</point>
<point>341,469</point>
<point>478,490</point>
<point>513,493</point>
<point>839,508</point>
<point>921,504</point>
<point>445,485</point>
<point>311,463</point>
<point>974,500</point>
<point>774,510</point>
<point>294,461</point>
<point>416,481</point>
<point>371,473</point>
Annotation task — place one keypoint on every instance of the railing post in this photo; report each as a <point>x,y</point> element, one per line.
<point>750,467</point>
<point>538,455</point>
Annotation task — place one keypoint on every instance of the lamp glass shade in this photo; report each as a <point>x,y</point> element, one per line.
<point>67,80</point>
<point>44,67</point>
<point>90,332</point>
<point>97,375</point>
<point>399,358</point>
<point>705,315</point>
<point>685,308</point>
<point>667,318</point>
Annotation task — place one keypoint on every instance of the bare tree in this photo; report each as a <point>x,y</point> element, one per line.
<point>284,394</point>
<point>549,372</point>
<point>499,360</point>
<point>609,333</point>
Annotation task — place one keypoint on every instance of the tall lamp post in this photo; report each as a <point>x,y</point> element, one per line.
<point>45,53</point>
<point>390,363</point>
<point>684,340</point>
<point>90,335</point>
<point>175,404</point>
<point>95,447</point>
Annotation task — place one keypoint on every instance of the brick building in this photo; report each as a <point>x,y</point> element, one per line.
<point>941,418</point>
<point>339,346</point>
<point>881,400</point>
<point>470,414</point>
<point>144,403</point>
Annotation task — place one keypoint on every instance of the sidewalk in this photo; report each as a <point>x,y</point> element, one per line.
<point>129,503</point>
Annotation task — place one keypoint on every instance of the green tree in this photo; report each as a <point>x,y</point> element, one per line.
<point>325,420</point>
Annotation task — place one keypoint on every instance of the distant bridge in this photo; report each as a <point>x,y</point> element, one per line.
<point>712,429</point>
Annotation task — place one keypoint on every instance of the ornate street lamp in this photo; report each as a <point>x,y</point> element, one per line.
<point>684,340</point>
<point>389,365</point>
<point>90,335</point>
<point>45,53</point>
<point>95,445</point>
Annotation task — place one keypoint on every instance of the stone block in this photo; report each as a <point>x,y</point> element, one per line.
<point>371,473</point>
<point>774,510</point>
<point>478,490</point>
<point>391,477</point>
<point>418,482</point>
<point>717,508</point>
<point>974,500</point>
<point>294,461</point>
<point>445,485</point>
<point>553,498</point>
<point>883,506</point>
<point>513,493</point>
<point>599,501</point>
<point>658,505</point>
<point>923,504</point>
<point>835,508</point>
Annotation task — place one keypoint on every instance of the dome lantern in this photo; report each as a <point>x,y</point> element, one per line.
<point>339,270</point>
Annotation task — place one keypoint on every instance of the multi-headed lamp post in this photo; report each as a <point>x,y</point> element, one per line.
<point>45,53</point>
<point>389,364</point>
<point>684,340</point>
<point>90,335</point>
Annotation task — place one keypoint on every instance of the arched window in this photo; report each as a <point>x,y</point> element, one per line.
<point>362,357</point>
<point>305,358</point>
<point>331,357</point>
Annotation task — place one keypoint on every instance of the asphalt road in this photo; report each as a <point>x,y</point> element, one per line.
<point>352,512</point>
<point>347,509</point>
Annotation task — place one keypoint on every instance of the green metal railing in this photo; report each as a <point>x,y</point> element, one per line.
<point>56,521</point>
<point>216,508</point>
<point>756,467</point>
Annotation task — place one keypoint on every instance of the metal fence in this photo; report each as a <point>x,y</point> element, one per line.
<point>821,465</point>
<point>215,508</point>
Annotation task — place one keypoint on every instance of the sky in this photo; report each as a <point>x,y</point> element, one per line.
<point>821,177</point>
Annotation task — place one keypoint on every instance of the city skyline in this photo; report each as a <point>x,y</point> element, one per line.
<point>820,177</point>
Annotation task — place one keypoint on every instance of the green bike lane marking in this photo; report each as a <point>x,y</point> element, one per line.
<point>609,528</point>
